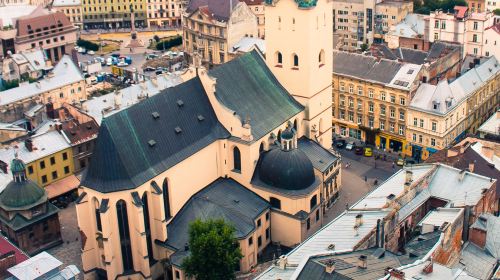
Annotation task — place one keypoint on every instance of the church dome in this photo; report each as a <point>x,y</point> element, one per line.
<point>17,166</point>
<point>286,169</point>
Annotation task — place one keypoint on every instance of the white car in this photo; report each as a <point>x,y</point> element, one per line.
<point>81,50</point>
<point>91,52</point>
<point>349,146</point>
<point>122,64</point>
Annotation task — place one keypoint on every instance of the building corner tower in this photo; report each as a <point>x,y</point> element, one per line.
<point>299,49</point>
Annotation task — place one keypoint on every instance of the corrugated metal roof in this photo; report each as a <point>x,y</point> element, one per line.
<point>321,158</point>
<point>477,262</point>
<point>413,204</point>
<point>441,215</point>
<point>491,125</point>
<point>122,158</point>
<point>223,199</point>
<point>339,232</point>
<point>35,267</point>
<point>247,86</point>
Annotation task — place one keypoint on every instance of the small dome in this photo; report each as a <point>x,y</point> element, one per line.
<point>17,165</point>
<point>290,170</point>
<point>21,195</point>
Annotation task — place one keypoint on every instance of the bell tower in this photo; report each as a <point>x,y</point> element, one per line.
<point>299,47</point>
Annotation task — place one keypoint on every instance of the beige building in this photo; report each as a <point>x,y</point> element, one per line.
<point>491,38</point>
<point>492,5</point>
<point>265,134</point>
<point>257,7</point>
<point>72,9</point>
<point>462,27</point>
<point>441,115</point>
<point>371,98</point>
<point>26,65</point>
<point>163,13</point>
<point>212,29</point>
<point>366,21</point>
<point>63,84</point>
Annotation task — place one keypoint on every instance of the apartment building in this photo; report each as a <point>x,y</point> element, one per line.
<point>461,27</point>
<point>164,13</point>
<point>492,5</point>
<point>72,9</point>
<point>257,7</point>
<point>441,115</point>
<point>477,6</point>
<point>371,97</point>
<point>492,41</point>
<point>366,21</point>
<point>212,28</point>
<point>409,33</point>
<point>113,14</point>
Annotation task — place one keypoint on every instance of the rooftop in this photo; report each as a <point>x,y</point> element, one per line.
<point>411,26</point>
<point>35,267</point>
<point>476,261</point>
<point>65,3</point>
<point>441,215</point>
<point>10,13</point>
<point>491,125</point>
<point>35,58</point>
<point>246,44</point>
<point>439,272</point>
<point>218,9</point>
<point>64,73</point>
<point>321,158</point>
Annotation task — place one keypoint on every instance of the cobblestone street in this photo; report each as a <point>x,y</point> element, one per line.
<point>69,251</point>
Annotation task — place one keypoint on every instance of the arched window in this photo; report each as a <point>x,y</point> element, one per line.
<point>279,136</point>
<point>313,202</point>
<point>295,60</point>
<point>147,227</point>
<point>261,147</point>
<point>97,215</point>
<point>236,159</point>
<point>279,58</point>
<point>123,228</point>
<point>295,126</point>
<point>321,57</point>
<point>276,203</point>
<point>166,200</point>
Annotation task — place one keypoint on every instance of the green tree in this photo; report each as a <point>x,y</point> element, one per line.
<point>496,12</point>
<point>214,250</point>
<point>364,47</point>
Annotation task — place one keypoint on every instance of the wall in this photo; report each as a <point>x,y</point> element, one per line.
<point>63,159</point>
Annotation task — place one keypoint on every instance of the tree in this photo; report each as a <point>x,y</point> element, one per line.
<point>214,251</point>
<point>496,12</point>
<point>364,47</point>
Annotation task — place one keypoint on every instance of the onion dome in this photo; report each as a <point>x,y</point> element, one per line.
<point>21,193</point>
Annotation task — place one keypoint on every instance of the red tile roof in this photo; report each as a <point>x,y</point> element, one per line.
<point>460,11</point>
<point>495,27</point>
<point>6,247</point>
<point>40,19</point>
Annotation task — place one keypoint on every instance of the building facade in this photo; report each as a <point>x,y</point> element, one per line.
<point>491,38</point>
<point>164,13</point>
<point>366,21</point>
<point>72,9</point>
<point>211,31</point>
<point>371,98</point>
<point>477,6</point>
<point>113,14</point>
<point>257,7</point>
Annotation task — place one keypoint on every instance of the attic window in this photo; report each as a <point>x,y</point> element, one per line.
<point>155,115</point>
<point>151,143</point>
<point>201,118</point>
<point>410,72</point>
<point>180,103</point>
<point>178,130</point>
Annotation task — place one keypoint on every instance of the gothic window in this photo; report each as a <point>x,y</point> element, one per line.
<point>279,58</point>
<point>236,159</point>
<point>261,147</point>
<point>313,202</point>
<point>295,126</point>
<point>125,244</point>
<point>166,199</point>
<point>295,60</point>
<point>147,228</point>
<point>279,136</point>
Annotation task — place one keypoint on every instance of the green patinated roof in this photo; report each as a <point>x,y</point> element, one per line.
<point>247,86</point>
<point>17,165</point>
<point>21,195</point>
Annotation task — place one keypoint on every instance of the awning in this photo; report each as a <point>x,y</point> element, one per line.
<point>62,186</point>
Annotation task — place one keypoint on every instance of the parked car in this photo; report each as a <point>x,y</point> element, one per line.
<point>368,152</point>
<point>349,146</point>
<point>91,52</point>
<point>400,161</point>
<point>149,69</point>
<point>340,143</point>
<point>358,150</point>
<point>122,64</point>
<point>109,61</point>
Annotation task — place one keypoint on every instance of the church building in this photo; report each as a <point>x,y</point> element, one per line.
<point>248,141</point>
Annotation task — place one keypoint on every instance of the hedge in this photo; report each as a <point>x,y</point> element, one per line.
<point>169,43</point>
<point>88,45</point>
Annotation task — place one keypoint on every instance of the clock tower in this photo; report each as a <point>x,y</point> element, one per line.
<point>299,47</point>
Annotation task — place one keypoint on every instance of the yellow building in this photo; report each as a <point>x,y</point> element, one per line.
<point>371,97</point>
<point>71,8</point>
<point>106,14</point>
<point>48,157</point>
<point>212,32</point>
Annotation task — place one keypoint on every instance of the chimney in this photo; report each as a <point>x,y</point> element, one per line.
<point>471,166</point>
<point>282,261</point>
<point>407,187</point>
<point>409,176</point>
<point>397,274</point>
<point>390,198</point>
<point>429,267</point>
<point>330,266</point>
<point>118,99</point>
<point>359,220</point>
<point>363,261</point>
<point>29,144</point>
<point>461,175</point>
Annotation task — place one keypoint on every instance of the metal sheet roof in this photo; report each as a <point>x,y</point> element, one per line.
<point>223,199</point>
<point>247,86</point>
<point>35,267</point>
<point>123,159</point>
<point>320,157</point>
<point>441,215</point>
<point>477,262</point>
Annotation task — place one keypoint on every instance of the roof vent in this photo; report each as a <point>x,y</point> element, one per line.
<point>151,143</point>
<point>331,247</point>
<point>363,261</point>
<point>236,201</point>
<point>155,115</point>
<point>201,118</point>
<point>180,103</point>
<point>178,130</point>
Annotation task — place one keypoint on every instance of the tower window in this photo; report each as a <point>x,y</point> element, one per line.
<point>236,159</point>
<point>321,58</point>
<point>124,233</point>
<point>166,199</point>
<point>295,60</point>
<point>276,203</point>
<point>279,58</point>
